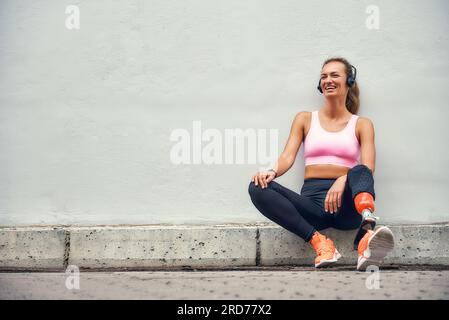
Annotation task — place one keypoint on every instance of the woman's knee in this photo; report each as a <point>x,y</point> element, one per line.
<point>254,190</point>
<point>360,179</point>
<point>255,193</point>
<point>360,167</point>
<point>251,187</point>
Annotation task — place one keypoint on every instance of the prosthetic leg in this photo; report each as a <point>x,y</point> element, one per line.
<point>364,204</point>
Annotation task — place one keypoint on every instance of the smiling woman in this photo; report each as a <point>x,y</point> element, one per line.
<point>338,189</point>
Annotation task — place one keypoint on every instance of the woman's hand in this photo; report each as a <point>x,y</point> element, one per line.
<point>263,178</point>
<point>334,195</point>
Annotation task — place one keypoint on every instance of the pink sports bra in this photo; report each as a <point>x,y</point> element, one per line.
<point>340,148</point>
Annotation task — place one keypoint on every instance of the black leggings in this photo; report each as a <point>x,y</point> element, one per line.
<point>304,213</point>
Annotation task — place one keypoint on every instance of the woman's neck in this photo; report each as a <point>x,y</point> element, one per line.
<point>335,109</point>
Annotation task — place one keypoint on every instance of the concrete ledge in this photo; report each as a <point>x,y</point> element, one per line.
<point>420,244</point>
<point>281,247</point>
<point>168,246</point>
<point>213,246</point>
<point>414,245</point>
<point>32,248</point>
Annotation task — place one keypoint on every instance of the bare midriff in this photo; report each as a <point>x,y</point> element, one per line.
<point>324,171</point>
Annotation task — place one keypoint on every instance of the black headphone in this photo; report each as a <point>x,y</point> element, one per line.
<point>350,81</point>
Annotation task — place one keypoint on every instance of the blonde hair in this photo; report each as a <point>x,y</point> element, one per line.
<point>352,99</point>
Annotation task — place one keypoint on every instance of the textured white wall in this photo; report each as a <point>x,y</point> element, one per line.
<point>86,115</point>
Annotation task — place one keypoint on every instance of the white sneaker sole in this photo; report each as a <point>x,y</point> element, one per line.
<point>380,244</point>
<point>324,263</point>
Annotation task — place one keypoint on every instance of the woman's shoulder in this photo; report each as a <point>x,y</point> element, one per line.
<point>302,121</point>
<point>303,116</point>
<point>364,124</point>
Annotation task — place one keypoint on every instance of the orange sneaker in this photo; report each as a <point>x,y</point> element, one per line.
<point>326,252</point>
<point>374,246</point>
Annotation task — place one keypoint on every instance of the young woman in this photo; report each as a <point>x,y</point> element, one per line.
<point>338,189</point>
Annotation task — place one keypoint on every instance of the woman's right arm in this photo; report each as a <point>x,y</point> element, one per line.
<point>288,156</point>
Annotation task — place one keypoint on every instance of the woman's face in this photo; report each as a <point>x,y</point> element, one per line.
<point>333,79</point>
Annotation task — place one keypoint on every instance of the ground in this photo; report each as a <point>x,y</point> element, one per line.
<point>233,284</point>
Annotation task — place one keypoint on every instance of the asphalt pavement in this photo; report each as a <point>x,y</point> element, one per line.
<point>260,284</point>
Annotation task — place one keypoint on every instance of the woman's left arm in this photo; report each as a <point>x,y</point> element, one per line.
<point>367,144</point>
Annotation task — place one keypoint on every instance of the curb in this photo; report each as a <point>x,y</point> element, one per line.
<point>199,246</point>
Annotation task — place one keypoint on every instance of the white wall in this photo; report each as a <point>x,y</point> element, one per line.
<point>86,115</point>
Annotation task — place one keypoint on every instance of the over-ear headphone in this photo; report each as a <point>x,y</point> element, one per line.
<point>350,81</point>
